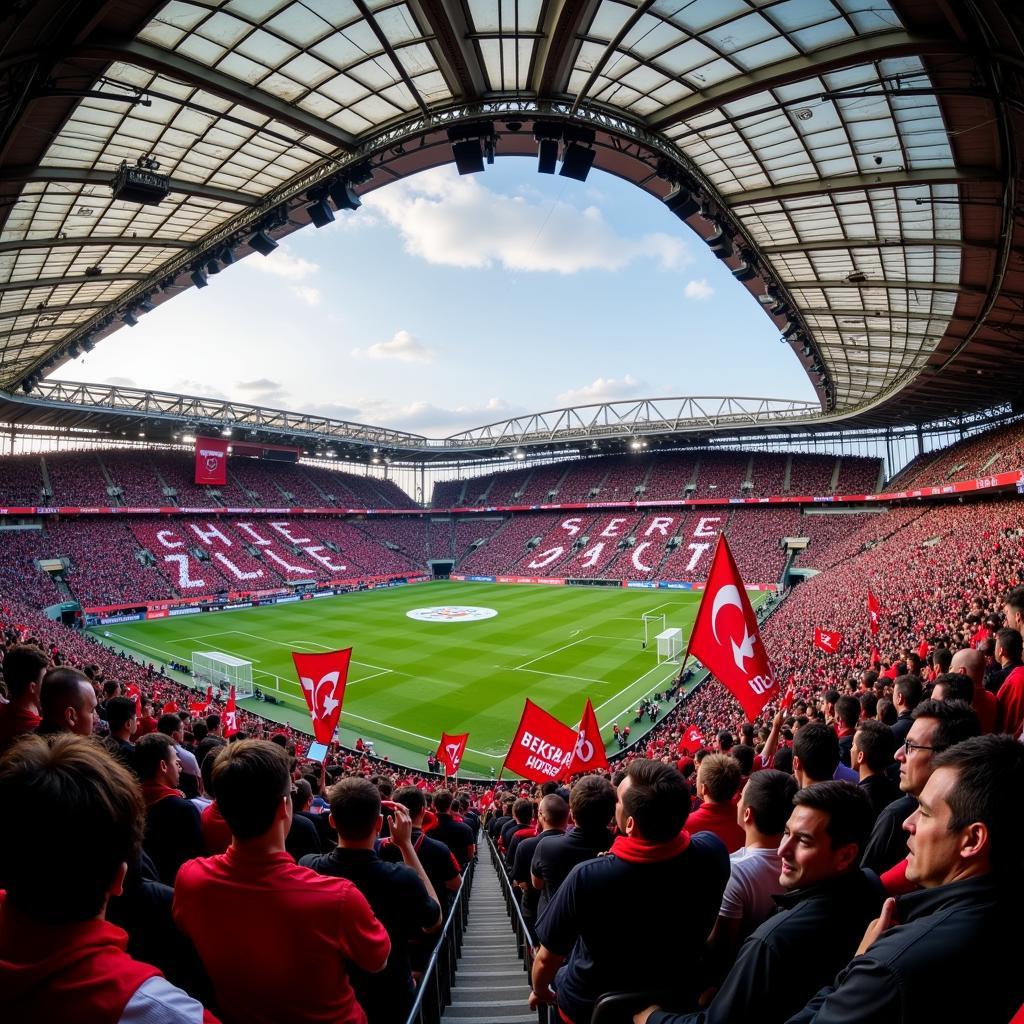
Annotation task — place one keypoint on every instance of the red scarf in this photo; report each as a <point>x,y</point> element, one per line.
<point>154,792</point>
<point>642,851</point>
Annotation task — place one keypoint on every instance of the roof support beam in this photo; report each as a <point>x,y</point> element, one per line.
<point>13,314</point>
<point>447,21</point>
<point>54,282</point>
<point>850,53</point>
<point>86,176</point>
<point>904,286</point>
<point>174,65</point>
<point>386,46</point>
<point>840,244</point>
<point>553,55</point>
<point>94,241</point>
<point>861,183</point>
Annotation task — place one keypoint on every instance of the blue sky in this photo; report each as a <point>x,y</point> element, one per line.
<point>447,302</point>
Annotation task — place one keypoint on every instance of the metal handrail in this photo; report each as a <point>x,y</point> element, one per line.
<point>434,992</point>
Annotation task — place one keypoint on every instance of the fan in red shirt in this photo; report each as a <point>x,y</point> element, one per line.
<point>718,781</point>
<point>259,921</point>
<point>23,669</point>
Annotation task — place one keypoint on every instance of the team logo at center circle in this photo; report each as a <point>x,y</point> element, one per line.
<point>452,613</point>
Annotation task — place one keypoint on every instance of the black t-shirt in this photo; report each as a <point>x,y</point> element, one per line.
<point>456,835</point>
<point>553,861</point>
<point>172,835</point>
<point>439,863</point>
<point>495,825</point>
<point>524,855</point>
<point>888,843</point>
<point>881,791</point>
<point>667,926</point>
<point>302,839</point>
<point>508,830</point>
<point>400,901</point>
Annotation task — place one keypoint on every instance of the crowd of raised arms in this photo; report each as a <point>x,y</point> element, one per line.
<point>854,857</point>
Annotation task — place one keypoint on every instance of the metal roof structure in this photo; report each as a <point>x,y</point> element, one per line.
<point>854,162</point>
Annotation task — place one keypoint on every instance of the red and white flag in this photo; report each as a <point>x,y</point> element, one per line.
<point>323,678</point>
<point>692,741</point>
<point>486,799</point>
<point>200,707</point>
<point>543,746</point>
<point>450,751</point>
<point>231,714</point>
<point>788,697</point>
<point>827,640</point>
<point>726,639</point>
<point>589,752</point>
<point>874,611</point>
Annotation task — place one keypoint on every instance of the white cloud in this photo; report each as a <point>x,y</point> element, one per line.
<point>282,263</point>
<point>603,389</point>
<point>403,347</point>
<point>310,296</point>
<point>698,289</point>
<point>459,222</point>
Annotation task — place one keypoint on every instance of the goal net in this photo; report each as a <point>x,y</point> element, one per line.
<point>670,645</point>
<point>225,670</point>
<point>653,624</point>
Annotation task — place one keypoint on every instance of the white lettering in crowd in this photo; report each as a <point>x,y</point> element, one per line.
<point>592,554</point>
<point>698,553</point>
<point>613,527</point>
<point>572,526</point>
<point>185,581</point>
<point>287,566</point>
<point>256,574</point>
<point>256,538</point>
<point>285,530</point>
<point>546,558</point>
<point>637,552</point>
<point>661,524</point>
<point>314,552</point>
<point>704,529</point>
<point>207,535</point>
<point>162,535</point>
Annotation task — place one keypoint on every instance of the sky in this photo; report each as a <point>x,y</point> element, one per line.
<point>446,303</point>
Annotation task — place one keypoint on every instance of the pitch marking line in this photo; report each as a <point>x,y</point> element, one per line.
<point>560,675</point>
<point>547,654</point>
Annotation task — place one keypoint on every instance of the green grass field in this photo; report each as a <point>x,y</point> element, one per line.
<point>410,679</point>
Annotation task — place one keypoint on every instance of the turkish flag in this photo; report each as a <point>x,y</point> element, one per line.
<point>726,639</point>
<point>323,678</point>
<point>486,799</point>
<point>874,611</point>
<point>692,741</point>
<point>231,714</point>
<point>589,752</point>
<point>827,640</point>
<point>543,746</point>
<point>450,751</point>
<point>788,697</point>
<point>200,707</point>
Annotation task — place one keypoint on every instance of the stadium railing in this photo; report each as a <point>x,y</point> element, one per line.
<point>524,940</point>
<point>435,988</point>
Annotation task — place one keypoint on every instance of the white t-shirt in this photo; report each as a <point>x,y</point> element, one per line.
<point>753,880</point>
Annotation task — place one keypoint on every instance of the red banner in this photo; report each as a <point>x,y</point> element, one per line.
<point>589,753</point>
<point>450,751</point>
<point>230,714</point>
<point>543,746</point>
<point>200,707</point>
<point>726,639</point>
<point>827,640</point>
<point>211,460</point>
<point>323,678</point>
<point>692,741</point>
<point>874,610</point>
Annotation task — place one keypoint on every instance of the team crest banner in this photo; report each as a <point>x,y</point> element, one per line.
<point>543,746</point>
<point>211,460</point>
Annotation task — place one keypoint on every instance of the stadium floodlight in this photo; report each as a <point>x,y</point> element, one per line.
<point>547,156</point>
<point>720,242</point>
<point>577,161</point>
<point>791,330</point>
<point>745,272</point>
<point>681,202</point>
<point>262,243</point>
<point>343,195</point>
<point>319,210</point>
<point>199,278</point>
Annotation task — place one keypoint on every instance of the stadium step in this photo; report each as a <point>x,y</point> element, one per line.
<point>491,986</point>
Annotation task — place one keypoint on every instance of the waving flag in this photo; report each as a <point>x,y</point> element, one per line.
<point>922,650</point>
<point>827,640</point>
<point>788,697</point>
<point>726,639</point>
<point>876,657</point>
<point>543,746</point>
<point>200,707</point>
<point>692,741</point>
<point>323,678</point>
<point>589,752</point>
<point>450,751</point>
<point>136,695</point>
<point>231,714</point>
<point>874,611</point>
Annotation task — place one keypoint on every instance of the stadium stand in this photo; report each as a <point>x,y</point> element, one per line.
<point>21,482</point>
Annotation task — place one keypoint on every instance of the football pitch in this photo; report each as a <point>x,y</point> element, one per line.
<point>410,678</point>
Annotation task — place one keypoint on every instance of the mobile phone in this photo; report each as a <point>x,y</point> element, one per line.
<point>317,752</point>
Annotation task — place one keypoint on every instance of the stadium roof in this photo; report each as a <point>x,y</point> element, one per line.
<point>854,162</point>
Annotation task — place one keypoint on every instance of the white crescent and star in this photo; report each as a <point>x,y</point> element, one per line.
<point>730,595</point>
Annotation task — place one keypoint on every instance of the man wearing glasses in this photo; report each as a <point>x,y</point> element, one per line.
<point>936,725</point>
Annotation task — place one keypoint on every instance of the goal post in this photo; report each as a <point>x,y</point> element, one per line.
<point>670,645</point>
<point>212,668</point>
<point>653,624</point>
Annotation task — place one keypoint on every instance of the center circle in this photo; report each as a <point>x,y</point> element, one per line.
<point>452,613</point>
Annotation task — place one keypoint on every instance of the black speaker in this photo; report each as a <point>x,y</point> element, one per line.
<point>469,156</point>
<point>547,156</point>
<point>577,161</point>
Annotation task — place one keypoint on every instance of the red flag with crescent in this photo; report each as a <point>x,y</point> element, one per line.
<point>726,639</point>
<point>450,751</point>
<point>323,678</point>
<point>692,741</point>
<point>589,752</point>
<point>231,714</point>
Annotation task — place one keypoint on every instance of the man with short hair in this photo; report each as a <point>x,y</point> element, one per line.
<point>456,835</point>
<point>592,806</point>
<point>824,904</point>
<point>581,954</point>
<point>400,895</point>
<point>937,725</point>
<point>718,779</point>
<point>971,663</point>
<point>552,815</point>
<point>521,820</point>
<point>942,953</point>
<point>847,715</point>
<point>871,755</point>
<point>24,666</point>
<point>191,780</point>
<point>261,923</point>
<point>173,835</point>
<point>60,959</point>
<point>1008,656</point>
<point>816,756</point>
<point>907,692</point>
<point>67,701</point>
<point>1010,697</point>
<point>122,722</point>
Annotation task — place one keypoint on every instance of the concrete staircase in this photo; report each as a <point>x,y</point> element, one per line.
<point>491,986</point>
